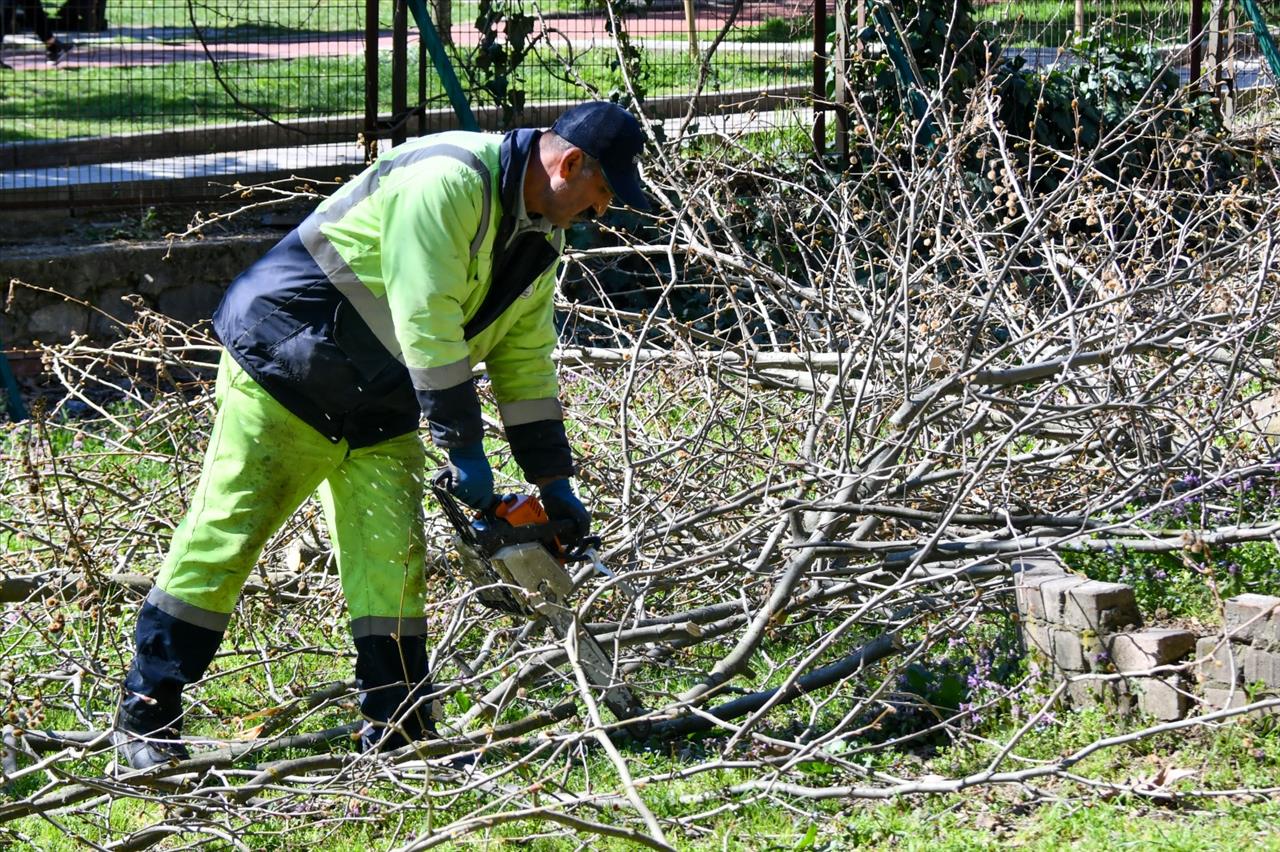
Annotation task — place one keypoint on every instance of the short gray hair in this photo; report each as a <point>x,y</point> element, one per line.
<point>590,165</point>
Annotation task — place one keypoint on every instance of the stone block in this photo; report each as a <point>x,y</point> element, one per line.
<point>1146,649</point>
<point>1248,617</point>
<point>1035,569</point>
<point>1054,594</point>
<point>1222,698</point>
<point>1035,635</point>
<point>1267,637</point>
<point>1100,607</point>
<point>1261,667</point>
<point>56,323</point>
<point>187,302</point>
<point>1030,603</point>
<point>1068,650</point>
<point>1263,415</point>
<point>1028,576</point>
<point>1113,695</point>
<point>1163,698</point>
<point>1219,662</point>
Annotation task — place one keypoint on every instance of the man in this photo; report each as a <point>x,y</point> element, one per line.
<point>372,314</point>
<point>36,20</point>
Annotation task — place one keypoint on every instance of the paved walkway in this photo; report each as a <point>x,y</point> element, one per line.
<point>143,46</point>
<point>214,166</point>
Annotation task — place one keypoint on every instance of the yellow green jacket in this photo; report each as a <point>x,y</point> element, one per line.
<point>377,309</point>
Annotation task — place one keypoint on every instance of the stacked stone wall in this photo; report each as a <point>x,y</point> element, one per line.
<point>1243,662</point>
<point>1091,634</point>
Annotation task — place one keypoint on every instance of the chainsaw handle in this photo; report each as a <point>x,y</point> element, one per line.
<point>496,532</point>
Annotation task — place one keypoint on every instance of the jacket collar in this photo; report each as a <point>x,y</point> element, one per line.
<point>513,156</point>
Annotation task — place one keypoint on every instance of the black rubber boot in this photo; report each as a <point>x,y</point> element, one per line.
<point>139,746</point>
<point>392,678</point>
<point>170,653</point>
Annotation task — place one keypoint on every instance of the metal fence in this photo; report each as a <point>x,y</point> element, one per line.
<point>153,97</point>
<point>151,100</point>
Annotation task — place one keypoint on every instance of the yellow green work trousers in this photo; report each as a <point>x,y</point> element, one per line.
<point>262,463</point>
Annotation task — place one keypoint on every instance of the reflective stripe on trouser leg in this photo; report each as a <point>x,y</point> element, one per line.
<point>373,506</point>
<point>262,462</point>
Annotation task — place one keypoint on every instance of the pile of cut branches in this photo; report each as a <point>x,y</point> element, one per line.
<point>818,423</point>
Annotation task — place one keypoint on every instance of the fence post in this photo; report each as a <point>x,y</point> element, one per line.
<point>1195,39</point>
<point>423,61</point>
<point>13,396</point>
<point>370,136</point>
<point>691,19</point>
<point>1221,56</point>
<point>820,77</point>
<point>842,51</point>
<point>399,71</point>
<point>1079,18</point>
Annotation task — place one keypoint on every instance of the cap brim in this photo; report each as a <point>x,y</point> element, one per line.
<point>625,183</point>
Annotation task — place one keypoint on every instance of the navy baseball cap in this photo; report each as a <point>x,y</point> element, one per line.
<point>613,137</point>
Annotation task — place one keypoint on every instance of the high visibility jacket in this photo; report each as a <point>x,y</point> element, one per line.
<point>379,305</point>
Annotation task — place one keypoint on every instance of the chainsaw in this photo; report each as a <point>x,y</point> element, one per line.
<point>512,554</point>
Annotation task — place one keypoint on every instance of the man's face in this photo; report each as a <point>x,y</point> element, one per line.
<point>579,191</point>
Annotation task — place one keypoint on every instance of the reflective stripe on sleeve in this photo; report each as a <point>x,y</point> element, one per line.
<point>440,378</point>
<point>530,411</point>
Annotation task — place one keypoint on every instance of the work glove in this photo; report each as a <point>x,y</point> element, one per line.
<point>472,476</point>
<point>563,505</point>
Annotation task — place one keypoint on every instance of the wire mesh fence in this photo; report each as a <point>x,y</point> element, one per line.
<point>1051,23</point>
<point>151,96</point>
<point>144,100</point>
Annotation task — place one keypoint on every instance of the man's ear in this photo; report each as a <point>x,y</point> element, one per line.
<point>570,163</point>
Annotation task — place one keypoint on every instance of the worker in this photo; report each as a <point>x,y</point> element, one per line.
<point>369,316</point>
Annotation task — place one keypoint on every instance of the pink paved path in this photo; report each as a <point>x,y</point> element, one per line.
<point>92,51</point>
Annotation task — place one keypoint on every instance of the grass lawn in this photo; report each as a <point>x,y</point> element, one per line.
<point>107,101</point>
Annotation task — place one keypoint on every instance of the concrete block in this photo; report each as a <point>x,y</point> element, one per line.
<point>1219,663</point>
<point>1042,565</point>
<point>1267,637</point>
<point>1249,616</point>
<point>1054,594</point>
<point>1035,635</point>
<point>1068,651</point>
<point>1030,603</point>
<point>1163,698</point>
<point>1261,667</point>
<point>1146,649</point>
<point>1101,607</point>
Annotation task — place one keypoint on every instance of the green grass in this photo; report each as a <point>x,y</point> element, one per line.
<point>88,102</point>
<point>1029,23</point>
<point>1050,812</point>
<point>1045,813</point>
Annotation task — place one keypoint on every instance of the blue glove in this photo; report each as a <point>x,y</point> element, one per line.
<point>563,505</point>
<point>472,476</point>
